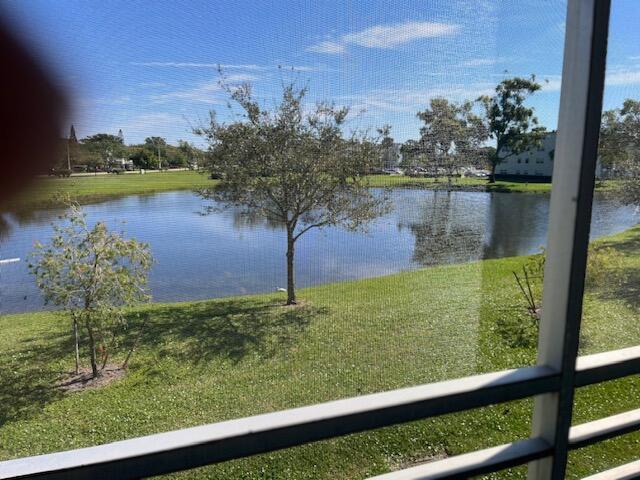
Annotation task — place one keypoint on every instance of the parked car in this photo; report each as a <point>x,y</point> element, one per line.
<point>59,172</point>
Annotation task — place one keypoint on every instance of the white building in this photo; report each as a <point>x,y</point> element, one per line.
<point>537,162</point>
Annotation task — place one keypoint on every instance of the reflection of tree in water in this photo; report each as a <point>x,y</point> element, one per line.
<point>445,230</point>
<point>5,228</point>
<point>513,221</point>
<point>24,216</point>
<point>251,219</point>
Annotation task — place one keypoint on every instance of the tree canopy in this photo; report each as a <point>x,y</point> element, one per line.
<point>293,165</point>
<point>619,148</point>
<point>91,273</point>
<point>509,121</point>
<point>451,133</point>
<point>105,146</point>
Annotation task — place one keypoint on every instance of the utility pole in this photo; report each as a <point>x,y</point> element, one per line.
<point>68,155</point>
<point>157,144</point>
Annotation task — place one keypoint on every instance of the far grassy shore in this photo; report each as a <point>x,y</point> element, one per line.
<point>201,362</point>
<point>51,192</point>
<point>473,184</point>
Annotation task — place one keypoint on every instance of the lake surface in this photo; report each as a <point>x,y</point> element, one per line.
<point>224,253</point>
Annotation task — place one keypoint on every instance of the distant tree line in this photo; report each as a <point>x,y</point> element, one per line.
<point>455,134</point>
<point>107,152</point>
<point>619,148</point>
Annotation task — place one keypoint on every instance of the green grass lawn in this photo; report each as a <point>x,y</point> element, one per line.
<point>46,192</point>
<point>202,362</point>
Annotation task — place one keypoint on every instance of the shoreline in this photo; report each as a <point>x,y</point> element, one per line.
<point>48,193</point>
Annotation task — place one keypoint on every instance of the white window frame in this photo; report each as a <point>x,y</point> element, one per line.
<point>553,380</point>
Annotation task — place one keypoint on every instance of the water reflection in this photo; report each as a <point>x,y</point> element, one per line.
<point>229,253</point>
<point>514,221</point>
<point>444,231</point>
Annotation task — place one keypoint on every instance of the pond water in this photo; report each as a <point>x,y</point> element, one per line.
<point>224,253</point>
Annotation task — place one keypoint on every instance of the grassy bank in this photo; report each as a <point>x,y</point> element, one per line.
<point>50,192</point>
<point>473,184</point>
<point>47,192</point>
<point>201,362</point>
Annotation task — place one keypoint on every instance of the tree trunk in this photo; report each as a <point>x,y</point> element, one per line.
<point>77,343</point>
<point>92,350</point>
<point>291,291</point>
<point>492,177</point>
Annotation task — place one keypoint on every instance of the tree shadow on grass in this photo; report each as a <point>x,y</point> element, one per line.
<point>29,372</point>
<point>628,246</point>
<point>195,333</point>
<point>231,329</point>
<point>623,285</point>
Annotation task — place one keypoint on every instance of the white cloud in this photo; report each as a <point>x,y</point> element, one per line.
<point>199,65</point>
<point>205,92</point>
<point>328,46</point>
<point>249,67</point>
<point>393,35</point>
<point>482,62</point>
<point>153,84</point>
<point>92,102</point>
<point>412,100</point>
<point>628,77</point>
<point>386,36</point>
<point>149,121</point>
<point>552,83</point>
<point>164,124</point>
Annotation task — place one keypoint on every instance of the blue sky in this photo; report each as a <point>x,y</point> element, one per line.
<point>149,68</point>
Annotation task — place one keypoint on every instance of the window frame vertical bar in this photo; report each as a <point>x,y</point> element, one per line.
<point>569,222</point>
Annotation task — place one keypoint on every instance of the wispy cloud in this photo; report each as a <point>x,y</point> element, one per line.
<point>164,124</point>
<point>200,65</point>
<point>412,100</point>
<point>386,36</point>
<point>92,102</point>
<point>328,46</point>
<point>153,84</point>
<point>483,62</point>
<point>231,66</point>
<point>623,77</point>
<point>205,92</point>
<point>552,83</point>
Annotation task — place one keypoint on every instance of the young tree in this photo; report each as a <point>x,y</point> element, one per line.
<point>451,133</point>
<point>509,121</point>
<point>91,273</point>
<point>293,166</point>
